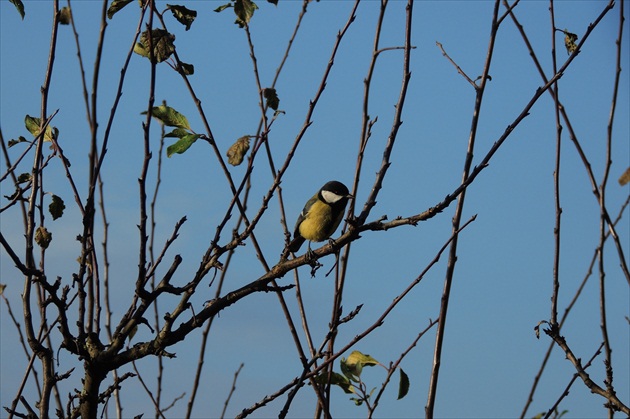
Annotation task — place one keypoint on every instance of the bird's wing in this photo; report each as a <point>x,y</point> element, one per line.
<point>307,206</point>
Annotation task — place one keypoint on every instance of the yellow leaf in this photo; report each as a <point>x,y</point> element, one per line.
<point>625,178</point>
<point>237,151</point>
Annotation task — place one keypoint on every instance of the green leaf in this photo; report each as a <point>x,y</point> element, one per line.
<point>403,385</point>
<point>24,177</point>
<point>19,6</point>
<point>140,50</point>
<point>56,207</point>
<point>177,133</point>
<point>182,144</point>
<point>163,45</point>
<point>116,6</point>
<point>183,15</point>
<point>353,366</point>
<point>43,237</point>
<point>336,379</point>
<point>15,195</point>
<point>32,125</point>
<point>244,10</point>
<point>352,372</point>
<point>169,117</point>
<point>223,7</point>
<point>2,287</point>
<point>65,15</point>
<point>186,69</point>
<point>20,139</point>
<point>271,96</point>
<point>569,41</point>
<point>357,357</point>
<point>237,151</point>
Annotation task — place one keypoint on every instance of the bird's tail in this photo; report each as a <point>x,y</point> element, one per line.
<point>295,244</point>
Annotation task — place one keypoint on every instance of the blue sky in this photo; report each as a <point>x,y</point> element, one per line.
<point>503,278</point>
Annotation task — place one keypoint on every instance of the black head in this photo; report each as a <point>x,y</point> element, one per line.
<point>334,192</point>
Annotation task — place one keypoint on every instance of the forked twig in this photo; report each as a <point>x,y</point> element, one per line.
<point>568,387</point>
<point>613,401</point>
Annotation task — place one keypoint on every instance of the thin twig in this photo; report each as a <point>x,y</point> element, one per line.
<point>366,124</point>
<point>307,374</point>
<point>457,67</point>
<point>450,269</point>
<point>556,176</point>
<point>232,390</point>
<point>392,368</point>
<point>263,139</point>
<point>565,315</point>
<point>204,337</point>
<point>573,137</point>
<point>608,362</point>
<point>568,387</point>
<point>44,354</point>
<point>612,400</point>
<point>147,390</point>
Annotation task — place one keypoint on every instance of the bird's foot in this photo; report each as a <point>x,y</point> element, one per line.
<point>315,265</point>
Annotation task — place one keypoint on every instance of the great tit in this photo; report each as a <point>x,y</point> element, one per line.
<point>321,215</point>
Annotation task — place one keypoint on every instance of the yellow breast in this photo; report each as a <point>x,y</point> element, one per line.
<point>318,225</point>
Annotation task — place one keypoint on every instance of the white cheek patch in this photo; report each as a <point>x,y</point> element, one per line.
<point>331,197</point>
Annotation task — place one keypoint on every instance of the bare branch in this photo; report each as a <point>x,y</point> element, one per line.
<point>613,402</point>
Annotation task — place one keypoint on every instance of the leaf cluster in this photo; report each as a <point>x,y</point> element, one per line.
<point>158,43</point>
<point>57,206</point>
<point>350,378</point>
<point>171,118</point>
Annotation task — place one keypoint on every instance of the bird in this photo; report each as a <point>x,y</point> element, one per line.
<point>321,215</point>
